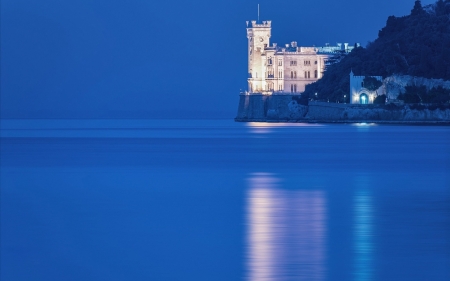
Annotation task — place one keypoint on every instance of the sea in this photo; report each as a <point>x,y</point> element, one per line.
<point>218,200</point>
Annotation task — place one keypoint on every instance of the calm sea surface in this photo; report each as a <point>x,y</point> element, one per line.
<point>217,200</point>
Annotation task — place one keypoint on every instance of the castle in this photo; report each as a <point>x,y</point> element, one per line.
<point>274,69</point>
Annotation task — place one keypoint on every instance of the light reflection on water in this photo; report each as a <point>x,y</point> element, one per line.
<point>166,200</point>
<point>363,236</point>
<point>286,231</point>
<point>261,128</point>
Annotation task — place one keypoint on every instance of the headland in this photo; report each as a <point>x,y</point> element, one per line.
<point>403,77</point>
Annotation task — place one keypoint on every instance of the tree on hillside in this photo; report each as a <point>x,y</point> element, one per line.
<point>418,9</point>
<point>372,83</point>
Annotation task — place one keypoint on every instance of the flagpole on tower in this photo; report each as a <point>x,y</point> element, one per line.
<point>258,13</point>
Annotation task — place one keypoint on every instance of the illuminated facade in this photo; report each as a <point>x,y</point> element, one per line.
<point>358,93</point>
<point>287,69</point>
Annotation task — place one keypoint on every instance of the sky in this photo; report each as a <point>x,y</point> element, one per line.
<point>156,59</point>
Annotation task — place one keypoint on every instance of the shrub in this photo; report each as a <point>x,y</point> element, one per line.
<point>380,99</point>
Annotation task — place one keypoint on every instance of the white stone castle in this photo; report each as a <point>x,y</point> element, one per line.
<point>274,69</point>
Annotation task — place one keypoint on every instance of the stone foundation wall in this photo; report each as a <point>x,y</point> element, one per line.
<point>283,108</point>
<point>269,108</point>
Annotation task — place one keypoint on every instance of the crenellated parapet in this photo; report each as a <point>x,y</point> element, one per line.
<point>255,24</point>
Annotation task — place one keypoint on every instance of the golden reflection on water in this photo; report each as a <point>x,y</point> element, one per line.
<point>286,231</point>
<point>266,127</point>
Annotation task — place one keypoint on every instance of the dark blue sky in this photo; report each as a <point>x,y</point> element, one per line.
<point>135,58</point>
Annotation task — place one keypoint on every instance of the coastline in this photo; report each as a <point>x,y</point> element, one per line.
<point>380,122</point>
<point>285,108</point>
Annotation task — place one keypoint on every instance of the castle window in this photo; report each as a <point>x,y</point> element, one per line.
<point>269,61</point>
<point>280,74</point>
<point>306,74</point>
<point>307,62</point>
<point>295,74</point>
<point>292,74</point>
<point>280,62</point>
<point>293,62</point>
<point>309,74</point>
<point>315,73</point>
<point>295,88</point>
<point>315,62</point>
<point>292,88</point>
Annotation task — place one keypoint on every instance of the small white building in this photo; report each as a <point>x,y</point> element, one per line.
<point>358,93</point>
<point>284,69</point>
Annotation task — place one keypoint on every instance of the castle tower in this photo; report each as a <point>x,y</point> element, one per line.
<point>258,35</point>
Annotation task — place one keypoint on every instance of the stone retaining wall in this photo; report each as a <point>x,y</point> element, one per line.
<point>283,108</point>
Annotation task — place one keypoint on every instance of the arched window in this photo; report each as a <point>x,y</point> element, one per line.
<point>295,74</point>
<point>315,73</point>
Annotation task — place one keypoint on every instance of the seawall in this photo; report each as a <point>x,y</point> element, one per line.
<point>284,108</point>
<point>258,107</point>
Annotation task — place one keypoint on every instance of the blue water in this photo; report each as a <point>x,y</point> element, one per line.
<point>218,200</point>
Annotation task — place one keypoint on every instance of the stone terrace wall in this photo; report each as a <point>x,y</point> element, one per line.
<point>325,110</point>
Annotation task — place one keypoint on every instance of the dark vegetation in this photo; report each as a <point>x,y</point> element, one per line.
<point>381,99</point>
<point>372,83</point>
<point>417,45</point>
<point>420,94</point>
